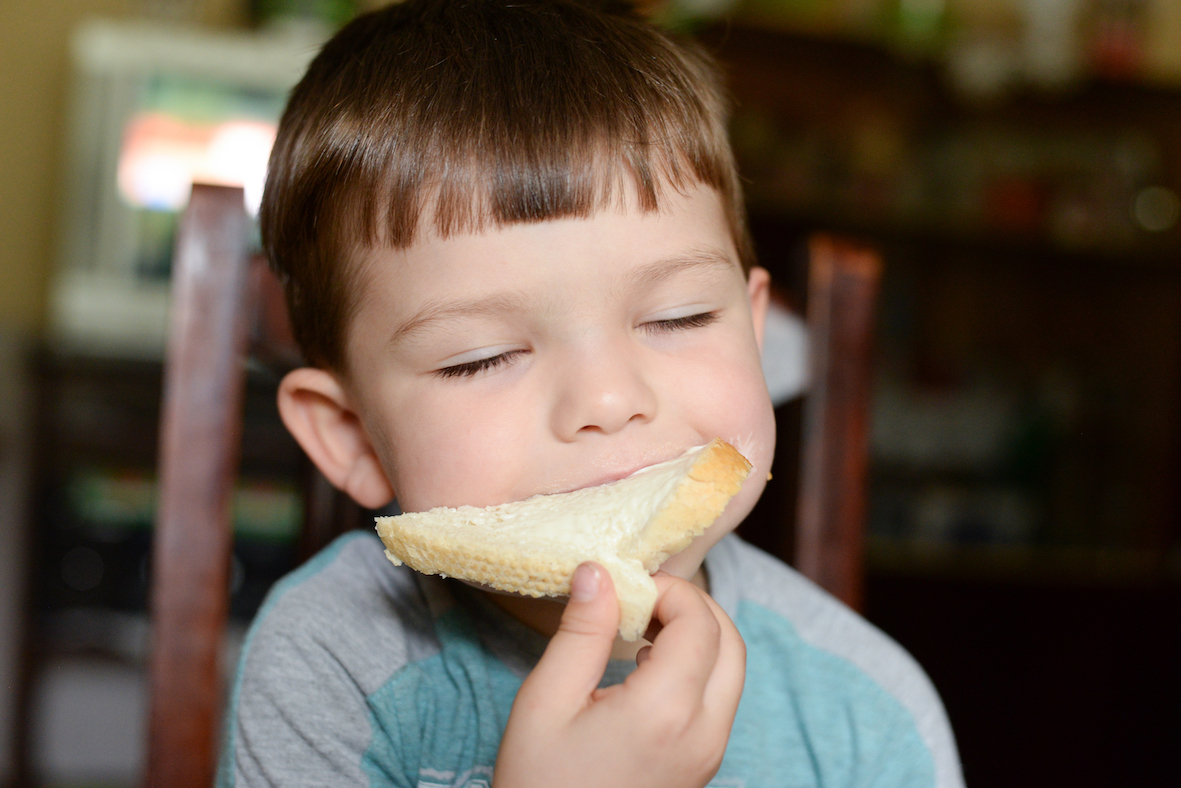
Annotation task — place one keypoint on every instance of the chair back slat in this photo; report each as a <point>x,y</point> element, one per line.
<point>204,379</point>
<point>843,282</point>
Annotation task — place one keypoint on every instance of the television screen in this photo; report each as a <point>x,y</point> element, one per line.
<point>184,131</point>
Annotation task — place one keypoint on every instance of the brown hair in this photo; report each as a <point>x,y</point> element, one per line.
<point>465,112</point>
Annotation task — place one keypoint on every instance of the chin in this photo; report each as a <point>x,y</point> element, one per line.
<point>687,563</point>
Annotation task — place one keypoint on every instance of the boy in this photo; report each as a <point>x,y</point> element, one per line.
<point>515,255</point>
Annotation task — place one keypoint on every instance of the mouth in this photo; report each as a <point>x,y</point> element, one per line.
<point>625,471</point>
<point>614,476</point>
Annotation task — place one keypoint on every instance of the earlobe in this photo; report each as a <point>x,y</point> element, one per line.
<point>758,286</point>
<point>317,411</point>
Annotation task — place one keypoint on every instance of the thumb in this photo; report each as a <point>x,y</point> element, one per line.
<point>574,661</point>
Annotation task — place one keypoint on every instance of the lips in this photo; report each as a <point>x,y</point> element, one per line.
<point>611,477</point>
<point>622,472</point>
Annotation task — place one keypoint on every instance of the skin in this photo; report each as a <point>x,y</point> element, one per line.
<point>537,358</point>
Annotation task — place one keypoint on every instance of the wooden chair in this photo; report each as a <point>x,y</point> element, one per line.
<point>221,299</point>
<point>843,283</point>
<point>812,514</point>
<point>204,381</point>
<point>226,306</point>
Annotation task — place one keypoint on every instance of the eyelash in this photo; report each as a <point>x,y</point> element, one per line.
<point>472,368</point>
<point>681,323</point>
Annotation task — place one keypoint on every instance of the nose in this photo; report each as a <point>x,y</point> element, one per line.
<point>602,391</point>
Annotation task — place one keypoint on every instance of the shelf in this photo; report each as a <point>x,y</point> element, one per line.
<point>1163,257</point>
<point>1023,563</point>
<point>848,137</point>
<point>106,410</point>
<point>869,44</point>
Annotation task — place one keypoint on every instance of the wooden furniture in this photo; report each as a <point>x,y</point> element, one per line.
<point>93,448</point>
<point>200,426</point>
<point>221,299</point>
<point>843,285</point>
<point>812,513</point>
<point>227,306</point>
<point>993,303</point>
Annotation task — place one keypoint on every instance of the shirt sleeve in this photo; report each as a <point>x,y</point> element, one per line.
<point>329,634</point>
<point>297,718</point>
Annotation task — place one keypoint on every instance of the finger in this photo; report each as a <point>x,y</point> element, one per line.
<point>724,688</point>
<point>654,627</point>
<point>574,661</point>
<point>686,648</point>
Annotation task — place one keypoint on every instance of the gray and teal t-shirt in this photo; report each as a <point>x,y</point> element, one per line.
<point>357,672</point>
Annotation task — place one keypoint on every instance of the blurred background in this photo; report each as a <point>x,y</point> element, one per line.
<point>1017,163</point>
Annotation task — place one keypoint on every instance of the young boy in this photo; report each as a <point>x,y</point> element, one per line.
<point>515,254</point>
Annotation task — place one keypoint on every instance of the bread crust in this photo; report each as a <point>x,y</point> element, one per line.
<point>429,542</point>
<point>713,479</point>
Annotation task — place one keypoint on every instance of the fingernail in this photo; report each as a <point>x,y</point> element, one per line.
<point>584,586</point>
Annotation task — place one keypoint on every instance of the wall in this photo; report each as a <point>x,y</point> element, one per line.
<point>34,40</point>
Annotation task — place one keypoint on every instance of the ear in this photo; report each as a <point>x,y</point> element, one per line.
<point>318,412</point>
<point>758,286</point>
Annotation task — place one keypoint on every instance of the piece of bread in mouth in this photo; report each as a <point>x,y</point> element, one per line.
<point>630,527</point>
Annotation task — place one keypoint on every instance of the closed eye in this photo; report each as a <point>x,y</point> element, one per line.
<point>681,323</point>
<point>470,368</point>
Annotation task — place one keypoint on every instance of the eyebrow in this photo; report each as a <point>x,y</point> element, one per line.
<point>648,275</point>
<point>696,258</point>
<point>495,304</point>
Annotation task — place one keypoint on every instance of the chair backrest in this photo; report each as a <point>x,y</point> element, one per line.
<point>201,420</point>
<point>812,513</point>
<point>843,282</point>
<point>222,300</point>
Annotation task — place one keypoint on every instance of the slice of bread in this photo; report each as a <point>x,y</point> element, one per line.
<point>630,527</point>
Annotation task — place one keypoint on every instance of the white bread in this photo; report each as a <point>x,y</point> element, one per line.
<point>630,527</point>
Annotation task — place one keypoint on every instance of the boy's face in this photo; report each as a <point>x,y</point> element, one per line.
<point>547,357</point>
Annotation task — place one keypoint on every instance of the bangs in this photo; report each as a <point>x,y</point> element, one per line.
<point>572,178</point>
<point>573,175</point>
<point>469,116</point>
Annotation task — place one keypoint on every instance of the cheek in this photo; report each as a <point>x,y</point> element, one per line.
<point>739,410</point>
<point>729,399</point>
<point>444,453</point>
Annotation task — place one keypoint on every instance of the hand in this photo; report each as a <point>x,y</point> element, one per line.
<point>666,726</point>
